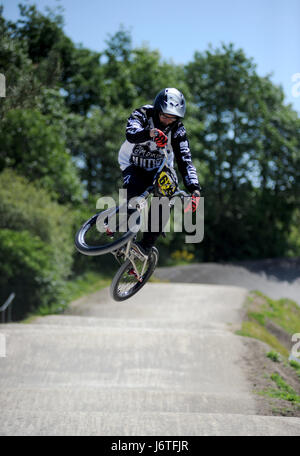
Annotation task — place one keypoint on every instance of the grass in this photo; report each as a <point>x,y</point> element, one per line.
<point>283,312</point>
<point>269,320</point>
<point>274,356</point>
<point>261,309</point>
<point>295,365</point>
<point>258,331</point>
<point>87,283</point>
<point>283,391</point>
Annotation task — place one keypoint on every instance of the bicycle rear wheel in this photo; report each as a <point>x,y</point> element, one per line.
<point>106,231</point>
<point>126,284</point>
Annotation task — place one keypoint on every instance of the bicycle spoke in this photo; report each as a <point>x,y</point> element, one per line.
<point>129,281</point>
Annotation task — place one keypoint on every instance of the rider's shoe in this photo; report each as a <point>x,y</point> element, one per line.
<point>134,274</point>
<point>109,232</point>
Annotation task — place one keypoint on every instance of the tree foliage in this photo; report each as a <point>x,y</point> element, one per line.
<point>250,154</point>
<point>63,121</point>
<point>36,149</point>
<point>35,243</point>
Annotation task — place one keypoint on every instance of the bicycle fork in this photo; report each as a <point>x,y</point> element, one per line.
<point>129,255</point>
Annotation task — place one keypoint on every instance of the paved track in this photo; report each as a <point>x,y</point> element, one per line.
<point>277,278</point>
<point>163,363</point>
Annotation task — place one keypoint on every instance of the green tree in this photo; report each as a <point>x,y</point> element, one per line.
<point>35,149</point>
<point>22,85</point>
<point>95,144</point>
<point>249,154</point>
<point>83,84</point>
<point>67,106</point>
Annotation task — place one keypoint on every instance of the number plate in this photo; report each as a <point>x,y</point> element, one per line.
<point>166,186</point>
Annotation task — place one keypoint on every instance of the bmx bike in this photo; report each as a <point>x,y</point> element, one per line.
<point>115,233</point>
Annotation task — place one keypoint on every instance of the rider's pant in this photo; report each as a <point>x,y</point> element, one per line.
<point>135,181</point>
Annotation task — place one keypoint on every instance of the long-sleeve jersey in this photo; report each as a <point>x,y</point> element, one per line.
<point>141,150</point>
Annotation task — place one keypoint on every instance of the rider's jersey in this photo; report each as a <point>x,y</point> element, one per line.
<point>141,150</point>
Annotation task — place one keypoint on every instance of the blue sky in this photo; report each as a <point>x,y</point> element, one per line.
<point>267,30</point>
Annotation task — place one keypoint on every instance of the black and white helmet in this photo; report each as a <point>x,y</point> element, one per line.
<point>170,101</point>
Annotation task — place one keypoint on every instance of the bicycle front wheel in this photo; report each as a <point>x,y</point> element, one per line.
<point>104,232</point>
<point>125,283</point>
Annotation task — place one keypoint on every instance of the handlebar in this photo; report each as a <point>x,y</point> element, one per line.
<point>181,193</point>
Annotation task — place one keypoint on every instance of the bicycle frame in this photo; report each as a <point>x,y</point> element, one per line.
<point>122,246</point>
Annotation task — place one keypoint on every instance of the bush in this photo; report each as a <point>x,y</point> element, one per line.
<point>36,245</point>
<point>24,207</point>
<point>183,256</point>
<point>28,268</point>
